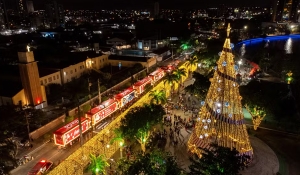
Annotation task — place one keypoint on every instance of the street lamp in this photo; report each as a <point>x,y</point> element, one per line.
<point>245,27</point>
<point>240,62</point>
<point>121,149</point>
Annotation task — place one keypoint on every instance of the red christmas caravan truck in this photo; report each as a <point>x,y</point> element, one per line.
<point>140,85</point>
<point>102,111</point>
<point>157,75</point>
<point>70,131</point>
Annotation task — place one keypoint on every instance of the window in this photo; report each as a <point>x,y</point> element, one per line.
<point>50,79</point>
<point>57,76</point>
<point>41,82</point>
<point>71,71</point>
<point>53,78</point>
<point>75,70</point>
<point>45,81</point>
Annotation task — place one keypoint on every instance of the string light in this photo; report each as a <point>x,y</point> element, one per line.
<point>227,129</point>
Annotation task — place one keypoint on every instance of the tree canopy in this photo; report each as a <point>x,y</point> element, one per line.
<point>200,86</point>
<point>154,163</point>
<point>138,122</point>
<point>158,96</point>
<point>98,164</point>
<point>218,161</point>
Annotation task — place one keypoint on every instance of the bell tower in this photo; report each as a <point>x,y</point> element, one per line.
<point>31,80</point>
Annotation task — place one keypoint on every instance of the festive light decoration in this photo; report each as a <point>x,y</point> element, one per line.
<point>257,115</point>
<point>78,160</point>
<point>223,106</point>
<point>289,77</point>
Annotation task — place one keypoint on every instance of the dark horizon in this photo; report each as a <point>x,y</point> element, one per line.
<point>149,4</point>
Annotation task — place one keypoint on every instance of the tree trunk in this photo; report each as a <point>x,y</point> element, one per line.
<point>143,147</point>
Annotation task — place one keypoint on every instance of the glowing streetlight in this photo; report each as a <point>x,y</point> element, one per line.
<point>121,150</point>
<point>245,27</point>
<point>240,62</point>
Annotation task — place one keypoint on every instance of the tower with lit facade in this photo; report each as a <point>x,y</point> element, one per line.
<point>34,92</point>
<point>221,118</point>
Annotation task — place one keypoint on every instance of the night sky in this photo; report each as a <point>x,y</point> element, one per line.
<point>148,4</point>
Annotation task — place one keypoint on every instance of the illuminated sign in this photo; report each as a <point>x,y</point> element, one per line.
<point>104,112</point>
<point>128,98</point>
<point>74,133</point>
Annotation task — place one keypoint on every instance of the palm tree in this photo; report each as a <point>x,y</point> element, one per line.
<point>98,164</point>
<point>170,79</point>
<point>118,136</point>
<point>179,73</point>
<point>192,62</point>
<point>159,97</point>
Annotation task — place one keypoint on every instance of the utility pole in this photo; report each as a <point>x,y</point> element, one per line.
<point>90,97</point>
<point>28,129</point>
<point>79,122</point>
<point>99,92</point>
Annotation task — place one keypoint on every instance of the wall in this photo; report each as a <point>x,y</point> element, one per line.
<point>20,96</point>
<point>151,61</point>
<point>48,127</point>
<point>51,79</point>
<point>126,63</point>
<point>72,71</point>
<point>97,62</point>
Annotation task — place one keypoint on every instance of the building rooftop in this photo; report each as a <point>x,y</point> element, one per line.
<point>128,58</point>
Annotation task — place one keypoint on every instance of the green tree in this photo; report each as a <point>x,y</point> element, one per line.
<point>191,63</point>
<point>170,79</point>
<point>98,164</point>
<point>179,73</point>
<point>154,163</point>
<point>118,136</point>
<point>138,122</point>
<point>8,152</point>
<point>200,86</point>
<point>218,161</point>
<point>158,96</point>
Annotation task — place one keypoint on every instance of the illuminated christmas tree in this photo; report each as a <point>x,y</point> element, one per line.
<point>221,118</point>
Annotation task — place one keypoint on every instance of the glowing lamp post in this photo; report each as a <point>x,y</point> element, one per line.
<point>121,149</point>
<point>240,62</point>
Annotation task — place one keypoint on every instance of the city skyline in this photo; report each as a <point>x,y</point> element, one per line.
<point>135,4</point>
